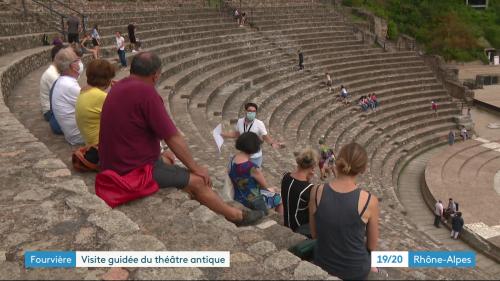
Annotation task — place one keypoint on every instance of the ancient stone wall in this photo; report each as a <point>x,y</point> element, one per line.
<point>449,78</point>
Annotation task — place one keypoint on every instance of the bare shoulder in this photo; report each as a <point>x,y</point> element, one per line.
<point>364,197</point>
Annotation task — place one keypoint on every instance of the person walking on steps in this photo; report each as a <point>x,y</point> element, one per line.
<point>301,60</point>
<point>131,28</point>
<point>451,137</point>
<point>457,223</point>
<point>120,46</point>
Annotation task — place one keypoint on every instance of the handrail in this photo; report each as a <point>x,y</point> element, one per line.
<point>68,7</point>
<point>60,15</point>
<point>49,8</point>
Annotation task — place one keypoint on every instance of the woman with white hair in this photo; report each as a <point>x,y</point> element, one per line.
<point>65,93</point>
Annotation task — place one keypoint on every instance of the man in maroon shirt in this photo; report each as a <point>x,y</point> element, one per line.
<point>134,120</point>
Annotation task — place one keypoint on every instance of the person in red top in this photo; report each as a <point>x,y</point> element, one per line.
<point>434,107</point>
<point>134,121</point>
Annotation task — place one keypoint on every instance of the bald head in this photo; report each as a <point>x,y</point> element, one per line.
<point>145,64</point>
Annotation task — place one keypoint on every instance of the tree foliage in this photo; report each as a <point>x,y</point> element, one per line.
<point>445,27</point>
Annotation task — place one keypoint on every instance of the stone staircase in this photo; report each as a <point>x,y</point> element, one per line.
<point>211,67</point>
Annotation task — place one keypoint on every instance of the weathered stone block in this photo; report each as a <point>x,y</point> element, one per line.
<point>280,260</point>
<point>308,271</point>
<point>262,248</point>
<point>135,242</point>
<point>202,214</point>
<point>240,257</point>
<point>113,222</point>
<point>87,202</point>
<point>33,195</point>
<point>169,274</point>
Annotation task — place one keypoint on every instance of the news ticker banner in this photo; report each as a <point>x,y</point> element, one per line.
<point>67,259</point>
<point>421,259</point>
<point>40,259</point>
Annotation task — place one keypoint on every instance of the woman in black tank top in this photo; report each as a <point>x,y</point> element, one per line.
<point>341,215</point>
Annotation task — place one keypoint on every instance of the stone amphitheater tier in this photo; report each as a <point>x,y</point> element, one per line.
<point>211,68</point>
<point>468,173</point>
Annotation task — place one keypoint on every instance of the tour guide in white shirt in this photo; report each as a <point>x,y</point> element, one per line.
<point>250,124</point>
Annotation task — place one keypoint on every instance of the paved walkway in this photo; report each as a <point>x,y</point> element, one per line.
<point>482,118</point>
<point>470,70</point>
<point>489,95</point>
<point>411,197</point>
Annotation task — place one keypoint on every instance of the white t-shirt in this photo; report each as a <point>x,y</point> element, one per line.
<point>256,127</point>
<point>66,92</point>
<point>438,209</point>
<point>119,41</point>
<point>48,78</point>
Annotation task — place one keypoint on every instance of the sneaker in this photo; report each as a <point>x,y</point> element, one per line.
<point>250,217</point>
<point>134,51</point>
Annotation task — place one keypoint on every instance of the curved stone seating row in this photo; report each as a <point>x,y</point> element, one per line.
<point>389,158</point>
<point>466,172</point>
<point>160,43</point>
<point>321,102</point>
<point>109,25</point>
<point>392,83</point>
<point>109,40</point>
<point>317,126</point>
<point>135,6</point>
<point>97,14</point>
<point>278,4</point>
<point>23,26</point>
<point>263,82</point>
<point>277,78</point>
<point>316,104</point>
<point>318,65</point>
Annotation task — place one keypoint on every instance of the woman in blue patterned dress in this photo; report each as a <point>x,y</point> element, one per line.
<point>250,186</point>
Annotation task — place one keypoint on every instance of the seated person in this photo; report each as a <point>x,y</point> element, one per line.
<point>243,18</point>
<point>89,104</point>
<point>46,81</point>
<point>236,15</point>
<point>344,219</point>
<point>464,134</point>
<point>362,104</point>
<point>325,159</point>
<point>374,100</point>
<point>295,189</point>
<point>65,93</point>
<point>87,45</point>
<point>133,122</point>
<point>370,102</point>
<point>250,186</point>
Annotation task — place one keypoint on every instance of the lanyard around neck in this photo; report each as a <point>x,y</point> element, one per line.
<point>245,127</point>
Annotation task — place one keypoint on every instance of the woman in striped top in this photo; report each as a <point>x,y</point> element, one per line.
<point>295,189</point>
